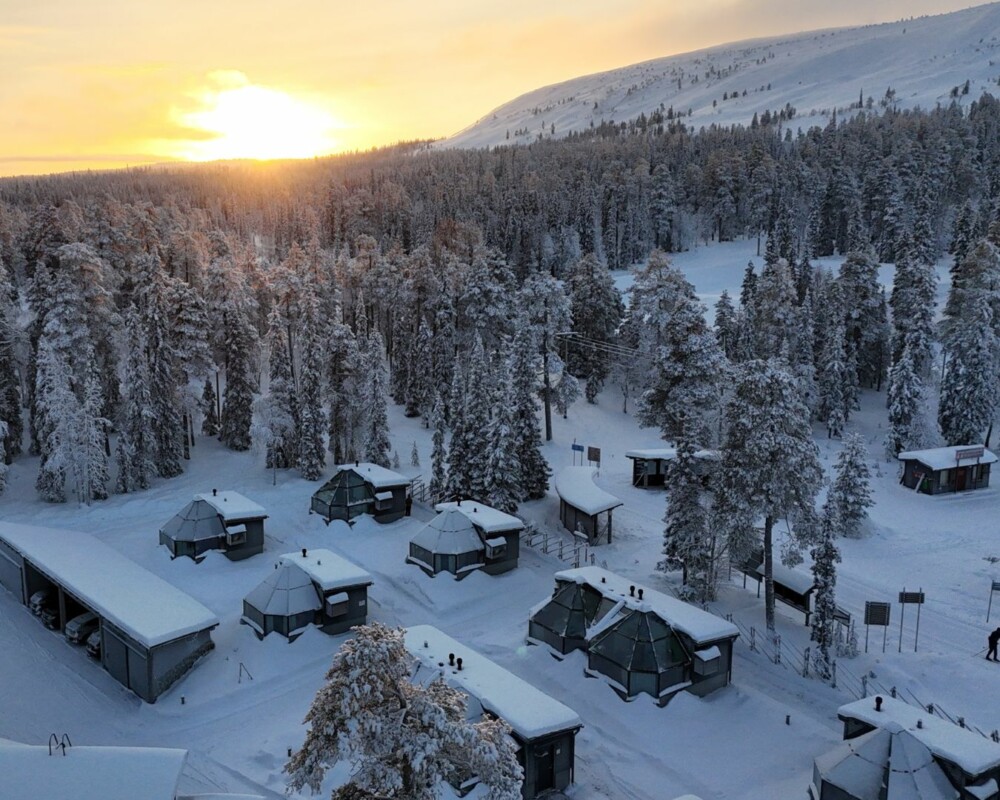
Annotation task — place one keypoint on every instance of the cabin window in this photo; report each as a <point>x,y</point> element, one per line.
<point>236,535</point>
<point>498,550</point>
<point>945,477</point>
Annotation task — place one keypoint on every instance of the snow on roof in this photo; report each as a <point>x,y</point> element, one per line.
<point>449,533</point>
<point>28,772</point>
<point>962,747</point>
<point>670,453</point>
<point>143,605</point>
<point>286,591</point>
<point>328,570</point>
<point>701,626</point>
<point>378,477</point>
<point>794,579</point>
<point>529,712</point>
<point>233,506</point>
<point>489,520</point>
<point>196,522</point>
<point>576,486</point>
<point>946,457</point>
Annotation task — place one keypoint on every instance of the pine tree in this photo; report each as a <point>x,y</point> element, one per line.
<point>687,541</point>
<point>209,410</point>
<point>834,406</point>
<point>906,408</point>
<point>970,384</point>
<point>135,453</point>
<point>396,464</point>
<point>279,409</point>
<point>376,440</point>
<point>726,325</point>
<point>503,480</point>
<point>825,557</point>
<point>311,449</point>
<point>533,469</point>
<point>596,312</point>
<point>439,456</point>
<point>56,409</point>
<point>770,464</point>
<point>850,495</point>
<point>403,740</point>
<point>3,457</point>
<point>237,397</point>
<point>10,383</point>
<point>414,455</point>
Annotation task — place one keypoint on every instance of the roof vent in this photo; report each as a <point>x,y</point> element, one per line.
<point>459,665</point>
<point>474,510</point>
<point>920,724</point>
<point>357,463</point>
<point>640,594</point>
<point>631,591</point>
<point>451,659</point>
<point>319,563</point>
<point>603,579</point>
<point>304,552</point>
<point>214,492</point>
<point>460,501</point>
<point>425,644</point>
<point>878,703</point>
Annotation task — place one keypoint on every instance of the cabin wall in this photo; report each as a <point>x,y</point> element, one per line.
<point>12,572</point>
<point>573,520</point>
<point>169,662</point>
<point>391,510</point>
<point>356,613</point>
<point>253,544</point>
<point>548,763</point>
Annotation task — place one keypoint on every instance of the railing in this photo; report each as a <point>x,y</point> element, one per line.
<point>575,551</point>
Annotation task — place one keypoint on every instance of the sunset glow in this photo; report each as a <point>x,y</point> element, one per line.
<point>247,121</point>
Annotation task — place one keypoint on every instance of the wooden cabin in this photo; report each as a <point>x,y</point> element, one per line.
<point>946,469</point>
<point>363,488</point>
<point>649,467</point>
<point>584,508</point>
<point>543,729</point>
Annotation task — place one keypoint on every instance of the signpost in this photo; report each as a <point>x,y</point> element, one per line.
<point>970,452</point>
<point>904,598</point>
<point>995,588</point>
<point>877,613</point>
<point>594,455</point>
<point>577,448</point>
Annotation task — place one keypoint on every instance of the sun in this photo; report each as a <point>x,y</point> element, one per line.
<point>241,120</point>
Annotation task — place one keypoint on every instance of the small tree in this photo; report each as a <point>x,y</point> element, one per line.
<point>401,740</point>
<point>850,496</point>
<point>414,455</point>
<point>439,455</point>
<point>209,410</point>
<point>825,557</point>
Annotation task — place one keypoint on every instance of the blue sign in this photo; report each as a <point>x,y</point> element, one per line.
<point>577,447</point>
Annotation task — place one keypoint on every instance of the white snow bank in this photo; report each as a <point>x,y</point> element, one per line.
<point>970,751</point>
<point>28,772</point>
<point>489,520</point>
<point>528,711</point>
<point>576,486</point>
<point>947,457</point>
<point>233,506</point>
<point>701,626</point>
<point>143,605</point>
<point>378,477</point>
<point>328,570</point>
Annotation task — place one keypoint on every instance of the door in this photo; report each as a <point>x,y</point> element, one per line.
<point>960,478</point>
<point>545,768</point>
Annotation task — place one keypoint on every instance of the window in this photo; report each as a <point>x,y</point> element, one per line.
<point>235,535</point>
<point>945,479</point>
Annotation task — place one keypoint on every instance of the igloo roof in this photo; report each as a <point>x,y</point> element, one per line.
<point>287,591</point>
<point>197,521</point>
<point>449,533</point>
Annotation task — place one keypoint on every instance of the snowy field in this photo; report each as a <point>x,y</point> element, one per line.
<point>754,739</point>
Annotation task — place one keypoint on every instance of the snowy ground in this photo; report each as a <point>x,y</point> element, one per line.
<point>733,744</point>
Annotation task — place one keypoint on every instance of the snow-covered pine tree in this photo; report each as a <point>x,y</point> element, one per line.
<point>401,739</point>
<point>850,495</point>
<point>135,453</point>
<point>396,464</point>
<point>237,397</point>
<point>56,410</point>
<point>311,449</point>
<point>825,557</point>
<point>503,480</point>
<point>912,301</point>
<point>376,440</point>
<point>10,380</point>
<point>89,464</point>
<point>726,325</point>
<point>523,364</point>
<point>439,456</point>
<point>278,411</point>
<point>687,541</point>
<point>774,308</point>
<point>209,410</point>
<point>3,456</point>
<point>833,406</point>
<point>770,463</point>
<point>970,385</point>
<point>906,408</point>
<point>864,317</point>
<point>343,390</point>
<point>596,309</point>
<point>459,480</point>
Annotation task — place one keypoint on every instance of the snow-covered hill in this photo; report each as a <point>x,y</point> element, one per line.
<point>924,60</point>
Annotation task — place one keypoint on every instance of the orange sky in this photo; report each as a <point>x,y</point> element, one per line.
<point>94,84</point>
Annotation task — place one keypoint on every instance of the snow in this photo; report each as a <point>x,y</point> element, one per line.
<point>794,579</point>
<point>576,486</point>
<point>946,457</point>
<point>383,495</point>
<point>233,506</point>
<point>528,711</point>
<point>816,72</point>
<point>489,520</point>
<point>700,626</point>
<point>287,591</point>
<point>708,653</point>
<point>670,453</point>
<point>144,606</point>
<point>378,477</point>
<point>970,751</point>
<point>449,533</point>
<point>328,570</point>
<point>985,790</point>
<point>28,772</point>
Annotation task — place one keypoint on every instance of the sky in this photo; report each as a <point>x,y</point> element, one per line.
<point>98,84</point>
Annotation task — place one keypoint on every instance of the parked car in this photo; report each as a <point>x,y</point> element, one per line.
<point>50,617</point>
<point>81,626</point>
<point>94,644</point>
<point>39,600</point>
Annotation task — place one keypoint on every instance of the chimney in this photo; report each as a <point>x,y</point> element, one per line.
<point>640,594</point>
<point>459,665</point>
<point>304,552</point>
<point>474,510</point>
<point>631,591</point>
<point>214,492</point>
<point>460,501</point>
<point>357,463</point>
<point>451,659</point>
<point>603,579</point>
<point>319,563</point>
<point>878,702</point>
<point>425,644</point>
<point>920,724</point>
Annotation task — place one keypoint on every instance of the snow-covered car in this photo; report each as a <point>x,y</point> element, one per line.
<point>80,627</point>
<point>39,600</point>
<point>50,617</point>
<point>94,644</point>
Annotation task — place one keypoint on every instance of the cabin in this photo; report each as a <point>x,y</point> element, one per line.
<point>946,469</point>
<point>312,587</point>
<point>464,537</point>
<point>920,755</point>
<point>543,729</point>
<point>60,769</point>
<point>363,488</point>
<point>152,633</point>
<point>639,640</point>
<point>649,467</point>
<point>224,521</point>
<point>584,508</point>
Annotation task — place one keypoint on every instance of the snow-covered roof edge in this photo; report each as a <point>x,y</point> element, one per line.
<point>490,520</point>
<point>947,457</point>
<point>576,486</point>
<point>233,505</point>
<point>378,477</point>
